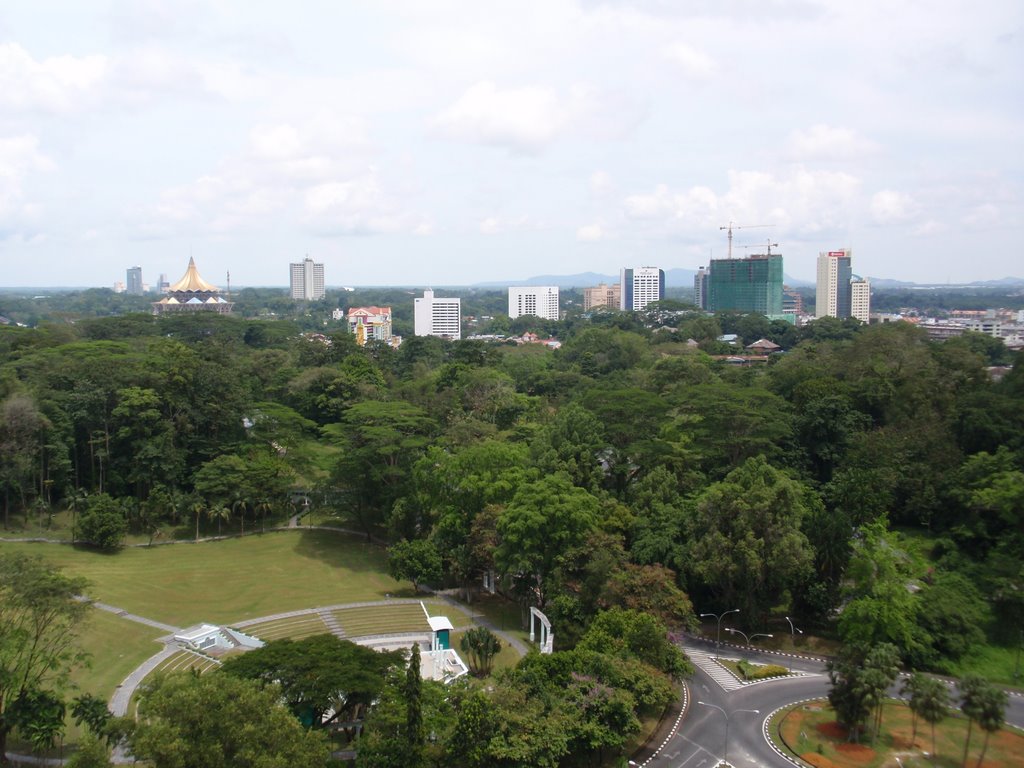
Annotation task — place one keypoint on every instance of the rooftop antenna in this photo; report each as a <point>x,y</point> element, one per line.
<point>731,227</point>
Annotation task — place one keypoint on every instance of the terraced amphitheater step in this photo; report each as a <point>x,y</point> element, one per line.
<point>332,623</point>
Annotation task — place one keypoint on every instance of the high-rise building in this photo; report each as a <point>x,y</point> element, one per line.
<point>860,299</point>
<point>792,301</point>
<point>163,283</point>
<point>601,296</point>
<point>133,281</point>
<point>832,296</point>
<point>370,324</point>
<point>541,301</point>
<point>307,280</point>
<point>639,286</point>
<point>750,284</point>
<point>437,317</point>
<point>700,288</point>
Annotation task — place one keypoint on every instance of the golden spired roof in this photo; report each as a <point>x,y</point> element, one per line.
<point>192,282</point>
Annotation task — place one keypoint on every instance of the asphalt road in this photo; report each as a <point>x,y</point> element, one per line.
<point>700,740</point>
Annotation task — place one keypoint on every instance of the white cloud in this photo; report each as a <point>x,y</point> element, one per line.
<point>981,215</point>
<point>891,207</point>
<point>692,62</point>
<point>489,226</point>
<point>825,142</point>
<point>56,84</point>
<point>19,159</point>
<point>601,183</point>
<point>521,119</point>
<point>590,233</point>
<point>527,119</point>
<point>800,201</point>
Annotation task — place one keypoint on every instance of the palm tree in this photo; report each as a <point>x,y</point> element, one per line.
<point>76,500</point>
<point>263,507</point>
<point>482,646</point>
<point>991,711</point>
<point>911,689</point>
<point>197,507</point>
<point>219,513</point>
<point>972,691</point>
<point>240,503</point>
<point>933,704</point>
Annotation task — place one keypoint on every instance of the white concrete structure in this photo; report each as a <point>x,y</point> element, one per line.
<point>438,317</point>
<point>860,299</point>
<point>541,301</point>
<point>547,637</point>
<point>307,280</point>
<point>639,286</point>
<point>832,289</point>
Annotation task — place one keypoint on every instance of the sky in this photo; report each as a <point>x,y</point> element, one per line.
<point>448,143</point>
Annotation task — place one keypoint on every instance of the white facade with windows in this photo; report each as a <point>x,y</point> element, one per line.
<point>541,301</point>
<point>437,316</point>
<point>860,299</point>
<point>307,280</point>
<point>639,286</point>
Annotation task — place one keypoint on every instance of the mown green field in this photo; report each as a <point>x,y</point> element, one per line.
<point>225,581</point>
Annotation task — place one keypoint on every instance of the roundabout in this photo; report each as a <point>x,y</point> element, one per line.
<point>697,736</point>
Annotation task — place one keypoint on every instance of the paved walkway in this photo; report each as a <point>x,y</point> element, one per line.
<point>123,694</point>
<point>169,628</point>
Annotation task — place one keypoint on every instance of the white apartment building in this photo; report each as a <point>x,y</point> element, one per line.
<point>639,286</point>
<point>307,280</point>
<point>860,299</point>
<point>541,301</point>
<point>832,289</point>
<point>437,317</point>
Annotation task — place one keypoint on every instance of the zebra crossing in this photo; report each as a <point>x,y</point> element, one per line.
<point>716,671</point>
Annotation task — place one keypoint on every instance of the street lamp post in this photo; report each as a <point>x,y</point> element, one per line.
<point>747,637</point>
<point>719,617</point>
<point>792,635</point>
<point>728,716</point>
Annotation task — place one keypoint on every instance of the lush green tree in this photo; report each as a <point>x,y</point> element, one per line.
<point>482,646</point>
<point>103,523</point>
<point>633,634</point>
<point>417,560</point>
<point>745,537</point>
<point>858,679</point>
<point>22,427</point>
<point>544,520</point>
<point>40,617</point>
<point>220,721</point>
<point>475,726</point>
<point>317,675</point>
<point>380,441</point>
<point>953,613</point>
<point>879,607</point>
<point>91,753</point>
<point>415,734</point>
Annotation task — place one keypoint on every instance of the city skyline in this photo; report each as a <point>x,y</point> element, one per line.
<point>455,144</point>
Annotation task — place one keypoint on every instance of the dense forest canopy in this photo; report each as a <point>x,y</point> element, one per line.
<point>630,470</point>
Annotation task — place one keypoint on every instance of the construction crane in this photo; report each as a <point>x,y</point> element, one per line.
<point>730,228</point>
<point>768,249</point>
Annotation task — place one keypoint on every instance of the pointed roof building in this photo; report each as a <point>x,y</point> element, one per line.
<point>192,294</point>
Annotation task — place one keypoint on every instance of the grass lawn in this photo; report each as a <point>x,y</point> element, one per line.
<point>810,731</point>
<point>226,581</point>
<point>993,662</point>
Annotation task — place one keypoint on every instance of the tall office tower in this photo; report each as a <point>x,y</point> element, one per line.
<point>163,283</point>
<point>437,317</point>
<point>832,297</point>
<point>639,286</point>
<point>860,298</point>
<point>700,289</point>
<point>307,280</point>
<point>541,301</point>
<point>602,295</point>
<point>751,284</point>
<point>133,282</point>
